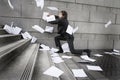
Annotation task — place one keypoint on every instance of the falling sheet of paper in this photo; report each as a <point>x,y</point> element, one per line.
<point>44,47</point>
<point>7,28</point>
<point>54,72</point>
<point>57,60</point>
<point>40,3</point>
<point>108,24</point>
<point>98,55</point>
<point>49,29</point>
<point>11,6</point>
<point>53,50</point>
<point>45,15</point>
<point>69,30</point>
<point>53,8</point>
<point>50,18</point>
<point>67,57</point>
<point>17,30</point>
<point>79,73</point>
<point>34,39</point>
<point>38,28</point>
<point>85,57</point>
<point>74,30</point>
<point>94,68</point>
<point>65,47</point>
<point>116,50</point>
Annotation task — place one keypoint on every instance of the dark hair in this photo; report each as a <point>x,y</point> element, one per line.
<point>65,14</point>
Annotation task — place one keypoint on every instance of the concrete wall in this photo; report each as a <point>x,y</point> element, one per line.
<point>89,15</point>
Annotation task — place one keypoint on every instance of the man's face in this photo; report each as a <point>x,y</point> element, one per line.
<point>60,15</point>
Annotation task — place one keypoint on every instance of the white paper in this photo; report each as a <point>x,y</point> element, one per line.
<point>98,55</point>
<point>50,18</point>
<point>108,24</point>
<point>79,73</point>
<point>67,57</point>
<point>116,50</point>
<point>34,39</point>
<point>38,28</point>
<point>85,57</point>
<point>40,3</point>
<point>94,68</point>
<point>65,47</point>
<point>11,6</point>
<point>49,29</point>
<point>44,47</point>
<point>108,52</point>
<point>57,60</point>
<point>53,8</point>
<point>69,30</point>
<point>74,30</point>
<point>45,15</point>
<point>16,30</point>
<point>55,55</point>
<point>53,50</point>
<point>7,28</point>
<point>26,35</point>
<point>53,71</point>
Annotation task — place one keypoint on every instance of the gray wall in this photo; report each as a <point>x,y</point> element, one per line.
<point>89,15</point>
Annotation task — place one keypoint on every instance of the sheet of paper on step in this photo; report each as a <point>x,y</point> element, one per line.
<point>54,72</point>
<point>79,73</point>
<point>8,28</point>
<point>67,57</point>
<point>65,47</point>
<point>85,57</point>
<point>53,8</point>
<point>98,55</point>
<point>57,60</point>
<point>108,24</point>
<point>94,68</point>
<point>16,30</point>
<point>53,50</point>
<point>55,55</point>
<point>44,47</point>
<point>116,50</point>
<point>49,29</point>
<point>40,3</point>
<point>10,4</point>
<point>34,39</point>
<point>38,28</point>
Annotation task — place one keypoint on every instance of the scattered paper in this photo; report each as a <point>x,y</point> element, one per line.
<point>53,50</point>
<point>50,18</point>
<point>74,30</point>
<point>85,57</point>
<point>38,28</point>
<point>108,24</point>
<point>94,68</point>
<point>55,55</point>
<point>16,30</point>
<point>69,30</point>
<point>79,73</point>
<point>53,8</point>
<point>67,57</point>
<point>26,35</point>
<point>49,29</point>
<point>116,50</point>
<point>44,47</point>
<point>11,6</point>
<point>7,28</point>
<point>57,60</point>
<point>98,55</point>
<point>40,3</point>
<point>65,47</point>
<point>34,39</point>
<point>53,71</point>
<point>45,15</point>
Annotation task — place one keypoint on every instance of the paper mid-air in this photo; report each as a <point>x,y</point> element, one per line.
<point>40,3</point>
<point>10,4</point>
<point>70,30</point>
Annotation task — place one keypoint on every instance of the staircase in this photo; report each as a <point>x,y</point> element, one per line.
<point>17,57</point>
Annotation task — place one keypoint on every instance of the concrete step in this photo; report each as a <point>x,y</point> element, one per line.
<point>2,32</point>
<point>10,51</point>
<point>21,67</point>
<point>6,39</point>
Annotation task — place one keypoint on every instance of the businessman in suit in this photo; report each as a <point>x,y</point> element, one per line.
<point>62,22</point>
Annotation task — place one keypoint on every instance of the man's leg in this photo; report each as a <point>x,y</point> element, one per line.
<point>57,42</point>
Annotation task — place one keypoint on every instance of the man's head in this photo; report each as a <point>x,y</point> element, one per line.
<point>63,14</point>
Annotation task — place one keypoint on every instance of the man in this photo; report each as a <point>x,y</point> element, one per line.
<point>63,23</point>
